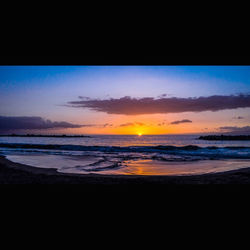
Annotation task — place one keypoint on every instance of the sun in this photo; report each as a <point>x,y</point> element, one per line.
<point>139,134</point>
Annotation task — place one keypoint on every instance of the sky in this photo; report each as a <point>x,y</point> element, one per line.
<point>124,99</point>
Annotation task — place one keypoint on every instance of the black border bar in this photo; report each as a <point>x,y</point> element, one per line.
<point>133,60</point>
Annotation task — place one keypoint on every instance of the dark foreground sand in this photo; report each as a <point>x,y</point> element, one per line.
<point>15,173</point>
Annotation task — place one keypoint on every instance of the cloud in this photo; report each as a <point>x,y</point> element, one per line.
<point>238,117</point>
<point>235,129</point>
<point>149,105</point>
<point>126,124</point>
<point>161,124</point>
<point>107,125</point>
<point>132,124</point>
<point>83,97</point>
<point>182,121</point>
<point>32,122</point>
<point>139,124</point>
<point>163,95</point>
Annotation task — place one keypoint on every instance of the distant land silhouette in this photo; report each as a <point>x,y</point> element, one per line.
<point>54,136</point>
<point>225,137</point>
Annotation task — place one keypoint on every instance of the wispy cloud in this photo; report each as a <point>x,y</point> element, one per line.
<point>126,124</point>
<point>235,129</point>
<point>132,124</point>
<point>181,121</point>
<point>161,124</point>
<point>238,117</point>
<point>107,125</point>
<point>149,105</point>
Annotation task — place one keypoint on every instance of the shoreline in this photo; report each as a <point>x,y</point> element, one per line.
<point>16,173</point>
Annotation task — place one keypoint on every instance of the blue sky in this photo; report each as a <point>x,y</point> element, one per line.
<point>209,78</point>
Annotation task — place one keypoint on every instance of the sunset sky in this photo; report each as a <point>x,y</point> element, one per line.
<point>124,99</point>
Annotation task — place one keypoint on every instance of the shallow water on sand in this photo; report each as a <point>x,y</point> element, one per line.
<point>88,165</point>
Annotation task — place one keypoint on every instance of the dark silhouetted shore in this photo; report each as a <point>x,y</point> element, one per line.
<point>225,137</point>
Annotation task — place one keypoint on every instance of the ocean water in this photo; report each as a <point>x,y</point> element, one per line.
<point>128,154</point>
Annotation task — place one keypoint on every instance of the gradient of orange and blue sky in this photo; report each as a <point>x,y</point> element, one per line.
<point>124,99</point>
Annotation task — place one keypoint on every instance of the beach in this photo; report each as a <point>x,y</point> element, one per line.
<point>15,173</point>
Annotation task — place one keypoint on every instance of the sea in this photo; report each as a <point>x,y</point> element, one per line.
<point>128,154</point>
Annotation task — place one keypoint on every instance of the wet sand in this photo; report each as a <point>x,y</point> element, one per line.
<point>15,173</point>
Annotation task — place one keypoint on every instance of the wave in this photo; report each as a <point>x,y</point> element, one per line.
<point>116,148</point>
<point>160,153</point>
<point>97,168</point>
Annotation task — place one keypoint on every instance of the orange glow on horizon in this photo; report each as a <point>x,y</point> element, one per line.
<point>144,125</point>
<point>134,130</point>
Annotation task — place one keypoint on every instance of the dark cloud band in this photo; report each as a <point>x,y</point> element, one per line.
<point>148,105</point>
<point>34,122</point>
